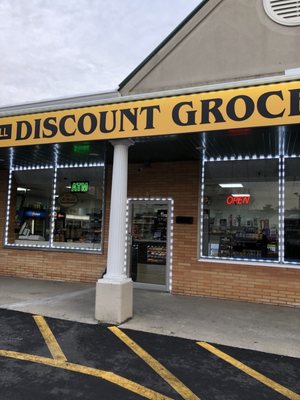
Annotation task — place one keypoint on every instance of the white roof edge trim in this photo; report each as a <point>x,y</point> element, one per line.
<point>61,101</point>
<point>152,95</point>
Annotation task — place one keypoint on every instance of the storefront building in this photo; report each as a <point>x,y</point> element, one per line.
<point>186,180</point>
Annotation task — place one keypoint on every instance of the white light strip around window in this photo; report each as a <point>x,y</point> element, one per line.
<point>32,167</point>
<point>54,185</point>
<point>39,246</point>
<point>241,158</point>
<point>281,157</point>
<point>281,184</point>
<point>292,156</point>
<point>291,263</point>
<point>171,245</point>
<point>11,161</point>
<point>202,204</point>
<point>262,260</point>
<point>56,247</point>
<point>47,246</point>
<point>8,208</point>
<point>80,165</point>
<point>51,166</point>
<point>126,238</point>
<point>11,158</point>
<point>54,166</point>
<point>281,208</point>
<point>157,199</point>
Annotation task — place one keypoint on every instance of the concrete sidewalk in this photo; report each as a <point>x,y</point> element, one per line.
<point>260,327</point>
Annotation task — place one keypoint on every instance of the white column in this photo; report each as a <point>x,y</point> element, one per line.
<point>114,292</point>
<point>117,219</point>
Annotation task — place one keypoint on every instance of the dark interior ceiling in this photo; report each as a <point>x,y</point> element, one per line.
<point>230,143</point>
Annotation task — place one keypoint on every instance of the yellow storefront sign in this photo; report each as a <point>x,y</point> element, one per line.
<point>276,104</point>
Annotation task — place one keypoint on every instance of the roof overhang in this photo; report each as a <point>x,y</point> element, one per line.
<point>267,104</point>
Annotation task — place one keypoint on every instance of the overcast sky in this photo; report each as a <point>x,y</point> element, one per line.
<point>58,48</point>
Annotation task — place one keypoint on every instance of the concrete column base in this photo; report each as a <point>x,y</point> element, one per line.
<point>114,301</point>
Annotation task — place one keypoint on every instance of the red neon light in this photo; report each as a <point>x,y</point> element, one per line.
<point>238,200</point>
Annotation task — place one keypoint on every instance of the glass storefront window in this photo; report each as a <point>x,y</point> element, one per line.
<point>292,210</point>
<point>78,208</point>
<point>240,210</point>
<point>70,218</point>
<point>30,212</point>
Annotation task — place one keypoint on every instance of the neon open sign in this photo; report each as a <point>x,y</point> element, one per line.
<point>238,199</point>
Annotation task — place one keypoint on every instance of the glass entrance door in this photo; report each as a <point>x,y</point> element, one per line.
<point>148,244</point>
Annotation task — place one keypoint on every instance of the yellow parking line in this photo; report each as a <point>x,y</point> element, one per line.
<point>49,338</point>
<point>176,384</point>
<point>108,376</point>
<point>254,374</point>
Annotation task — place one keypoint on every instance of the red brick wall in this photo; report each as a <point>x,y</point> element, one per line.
<point>179,180</point>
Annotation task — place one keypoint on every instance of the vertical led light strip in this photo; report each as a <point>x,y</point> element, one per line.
<point>281,145</point>
<point>103,206</point>
<point>280,209</point>
<point>126,238</point>
<point>11,161</point>
<point>8,208</point>
<point>171,244</point>
<point>202,202</point>
<point>55,149</point>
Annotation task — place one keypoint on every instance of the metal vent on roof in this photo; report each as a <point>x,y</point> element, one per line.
<point>285,12</point>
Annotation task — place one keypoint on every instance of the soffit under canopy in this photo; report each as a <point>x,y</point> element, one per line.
<point>182,147</point>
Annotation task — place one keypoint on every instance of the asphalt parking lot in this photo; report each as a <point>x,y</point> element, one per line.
<point>47,358</point>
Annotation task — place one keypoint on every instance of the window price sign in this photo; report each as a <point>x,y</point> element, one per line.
<point>80,186</point>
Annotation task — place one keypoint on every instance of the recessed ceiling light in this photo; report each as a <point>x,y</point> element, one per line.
<point>231,185</point>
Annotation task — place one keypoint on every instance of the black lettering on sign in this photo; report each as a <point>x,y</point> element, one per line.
<point>211,106</point>
<point>231,108</point>
<point>295,102</point>
<point>150,115</point>
<point>262,104</point>
<point>103,121</point>
<point>37,128</point>
<point>131,116</point>
<point>92,121</point>
<point>189,116</point>
<point>5,131</point>
<point>62,125</point>
<point>24,130</point>
<point>50,126</point>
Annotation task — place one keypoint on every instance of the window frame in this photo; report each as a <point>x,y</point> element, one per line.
<point>281,262</point>
<point>49,246</point>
